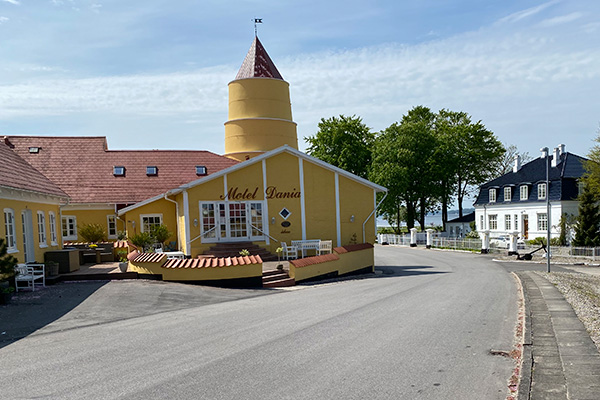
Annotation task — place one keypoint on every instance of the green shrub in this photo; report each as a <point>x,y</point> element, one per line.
<point>142,240</point>
<point>160,233</point>
<point>7,262</point>
<point>472,235</point>
<point>92,233</point>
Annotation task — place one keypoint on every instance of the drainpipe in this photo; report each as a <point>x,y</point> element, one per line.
<point>176,218</point>
<point>60,208</point>
<point>372,212</point>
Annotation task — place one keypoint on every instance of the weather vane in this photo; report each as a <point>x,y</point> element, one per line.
<point>256,21</point>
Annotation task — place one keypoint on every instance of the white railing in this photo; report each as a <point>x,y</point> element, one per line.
<point>457,243</point>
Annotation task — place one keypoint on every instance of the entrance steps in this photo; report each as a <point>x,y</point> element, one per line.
<point>232,249</point>
<point>277,278</point>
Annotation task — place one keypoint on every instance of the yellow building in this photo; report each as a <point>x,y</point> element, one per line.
<point>31,209</point>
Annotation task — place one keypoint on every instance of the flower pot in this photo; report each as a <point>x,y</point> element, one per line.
<point>5,297</point>
<point>123,266</point>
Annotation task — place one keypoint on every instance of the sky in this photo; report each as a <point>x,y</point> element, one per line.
<point>153,74</point>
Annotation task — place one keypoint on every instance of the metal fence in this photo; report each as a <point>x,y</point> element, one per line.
<point>438,241</point>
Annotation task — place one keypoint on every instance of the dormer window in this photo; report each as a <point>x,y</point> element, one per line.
<point>507,193</point>
<point>524,192</point>
<point>151,170</point>
<point>119,171</point>
<point>542,191</point>
<point>201,170</point>
<point>34,150</point>
<point>492,195</point>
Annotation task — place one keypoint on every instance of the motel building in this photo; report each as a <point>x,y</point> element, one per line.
<point>261,194</point>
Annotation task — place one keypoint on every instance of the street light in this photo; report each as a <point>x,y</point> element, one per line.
<point>546,151</point>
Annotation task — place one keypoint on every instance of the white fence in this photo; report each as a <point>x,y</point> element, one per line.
<point>590,253</point>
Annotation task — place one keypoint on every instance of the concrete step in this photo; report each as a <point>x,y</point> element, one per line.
<point>280,283</point>
<point>277,278</point>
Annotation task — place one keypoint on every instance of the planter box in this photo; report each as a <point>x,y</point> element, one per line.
<point>67,259</point>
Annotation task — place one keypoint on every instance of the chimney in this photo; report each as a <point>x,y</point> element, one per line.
<point>544,151</point>
<point>517,165</point>
<point>561,147</point>
<point>555,157</point>
<point>8,143</point>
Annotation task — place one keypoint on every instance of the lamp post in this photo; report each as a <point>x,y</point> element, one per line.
<point>546,151</point>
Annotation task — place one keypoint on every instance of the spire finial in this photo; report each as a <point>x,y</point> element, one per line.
<point>256,21</point>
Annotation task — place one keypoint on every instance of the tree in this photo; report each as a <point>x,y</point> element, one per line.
<point>345,142</point>
<point>507,161</point>
<point>160,233</point>
<point>92,233</point>
<point>587,229</point>
<point>592,167</point>
<point>402,162</point>
<point>475,151</point>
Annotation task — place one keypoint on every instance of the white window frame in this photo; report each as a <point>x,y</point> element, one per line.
<point>482,225</point>
<point>580,186</point>
<point>542,222</point>
<point>492,195</point>
<point>524,192</point>
<point>69,234</point>
<point>41,222</point>
<point>52,223</point>
<point>508,190</point>
<point>493,222</point>
<point>542,191</point>
<point>111,219</point>
<point>217,233</point>
<point>10,231</point>
<point>143,226</point>
<point>507,222</point>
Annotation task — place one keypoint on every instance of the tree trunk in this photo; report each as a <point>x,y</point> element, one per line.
<point>423,213</point>
<point>410,215</point>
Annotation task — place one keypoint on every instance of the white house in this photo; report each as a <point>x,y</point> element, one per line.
<point>516,201</point>
<point>460,226</point>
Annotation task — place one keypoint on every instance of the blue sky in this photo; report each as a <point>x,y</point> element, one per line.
<point>154,73</point>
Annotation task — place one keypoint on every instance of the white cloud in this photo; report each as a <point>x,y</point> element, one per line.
<point>515,17</point>
<point>563,19</point>
<point>3,20</point>
<point>15,2</point>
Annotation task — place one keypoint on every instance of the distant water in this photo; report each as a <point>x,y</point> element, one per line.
<point>434,219</point>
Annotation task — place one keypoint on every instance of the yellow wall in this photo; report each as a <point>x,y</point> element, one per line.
<point>356,199</point>
<point>161,206</point>
<point>347,263</point>
<point>18,206</point>
<point>197,274</point>
<point>93,216</point>
<point>319,190</point>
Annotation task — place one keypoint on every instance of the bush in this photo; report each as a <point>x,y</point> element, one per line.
<point>142,240</point>
<point>160,233</point>
<point>472,235</point>
<point>7,262</point>
<point>538,241</point>
<point>92,233</point>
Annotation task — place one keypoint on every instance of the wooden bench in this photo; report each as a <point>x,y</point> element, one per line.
<point>29,273</point>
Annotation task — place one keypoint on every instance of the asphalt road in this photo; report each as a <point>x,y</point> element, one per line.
<point>421,328</point>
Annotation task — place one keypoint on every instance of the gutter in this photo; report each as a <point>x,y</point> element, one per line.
<point>370,215</point>
<point>176,219</point>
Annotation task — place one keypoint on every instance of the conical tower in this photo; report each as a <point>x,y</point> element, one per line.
<point>260,112</point>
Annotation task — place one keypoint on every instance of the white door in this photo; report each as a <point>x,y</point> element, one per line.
<point>27,223</point>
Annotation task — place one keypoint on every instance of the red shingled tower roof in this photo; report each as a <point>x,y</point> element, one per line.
<point>258,64</point>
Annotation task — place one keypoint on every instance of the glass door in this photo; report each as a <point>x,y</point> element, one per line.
<point>27,224</point>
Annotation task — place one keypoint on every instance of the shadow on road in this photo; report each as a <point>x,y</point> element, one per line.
<point>406,270</point>
<point>29,311</point>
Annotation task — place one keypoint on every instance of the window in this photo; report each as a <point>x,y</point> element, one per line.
<point>541,191</point>
<point>481,227</point>
<point>69,227</point>
<point>201,170</point>
<point>9,229</point>
<point>111,221</point>
<point>507,193</point>
<point>41,219</point>
<point>151,170</point>
<point>542,222</point>
<point>524,192</point>
<point>150,221</point>
<point>52,220</point>
<point>34,150</point>
<point>493,222</point>
<point>119,170</point>
<point>209,221</point>
<point>516,222</point>
<point>256,219</point>
<point>507,224</point>
<point>580,186</point>
<point>492,195</point>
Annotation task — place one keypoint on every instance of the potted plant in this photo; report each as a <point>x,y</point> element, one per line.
<point>52,268</point>
<point>6,294</point>
<point>123,264</point>
<point>279,250</point>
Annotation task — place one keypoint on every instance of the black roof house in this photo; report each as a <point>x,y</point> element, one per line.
<point>564,177</point>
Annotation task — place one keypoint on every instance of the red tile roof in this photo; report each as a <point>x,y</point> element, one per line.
<point>258,64</point>
<point>16,173</point>
<point>304,262</point>
<point>83,167</point>
<point>353,247</point>
<point>148,258</point>
<point>212,262</point>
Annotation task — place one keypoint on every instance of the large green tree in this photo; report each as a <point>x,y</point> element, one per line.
<point>345,142</point>
<point>403,159</point>
<point>587,229</point>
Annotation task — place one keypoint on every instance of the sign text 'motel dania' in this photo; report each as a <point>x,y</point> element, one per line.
<point>235,193</point>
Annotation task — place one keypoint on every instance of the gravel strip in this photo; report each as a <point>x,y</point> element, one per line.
<point>582,291</point>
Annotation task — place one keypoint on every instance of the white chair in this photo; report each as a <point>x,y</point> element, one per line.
<point>289,251</point>
<point>29,273</point>
<point>325,247</point>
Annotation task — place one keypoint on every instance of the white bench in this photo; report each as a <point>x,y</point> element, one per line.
<point>30,273</point>
<point>304,245</point>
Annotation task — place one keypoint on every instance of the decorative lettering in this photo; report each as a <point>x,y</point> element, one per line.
<point>234,193</point>
<point>285,231</point>
<point>272,193</point>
